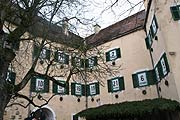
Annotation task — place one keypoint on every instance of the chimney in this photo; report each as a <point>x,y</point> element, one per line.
<point>97,28</point>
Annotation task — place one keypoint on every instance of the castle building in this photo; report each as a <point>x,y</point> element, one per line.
<point>142,49</point>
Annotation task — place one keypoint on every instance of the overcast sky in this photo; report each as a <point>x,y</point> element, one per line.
<point>104,15</point>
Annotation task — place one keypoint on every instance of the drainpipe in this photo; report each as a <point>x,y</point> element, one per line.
<point>152,61</point>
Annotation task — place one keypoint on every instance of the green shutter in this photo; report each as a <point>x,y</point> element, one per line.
<point>107,57</point>
<point>166,62</point>
<point>46,87</point>
<point>175,12</point>
<point>56,56</point>
<point>16,45</point>
<point>67,88</point>
<point>135,80</point>
<point>35,51</point>
<point>151,77</point>
<point>66,59</point>
<point>118,52</point>
<point>155,20</point>
<point>158,66</point>
<point>83,90</point>
<point>148,40</point>
<point>72,88</point>
<point>11,77</point>
<point>33,84</point>
<point>95,61</point>
<point>97,88</point>
<point>48,54</point>
<point>121,83</point>
<point>109,83</point>
<point>88,90</point>
<point>55,88</point>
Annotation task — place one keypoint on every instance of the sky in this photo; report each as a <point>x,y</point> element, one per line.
<point>104,15</point>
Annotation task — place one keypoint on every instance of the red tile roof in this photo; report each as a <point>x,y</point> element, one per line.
<point>119,29</point>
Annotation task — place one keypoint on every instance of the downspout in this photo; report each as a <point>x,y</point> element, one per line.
<point>150,50</point>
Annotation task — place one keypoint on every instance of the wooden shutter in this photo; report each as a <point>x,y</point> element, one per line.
<point>16,45</point>
<point>121,83</point>
<point>55,87</point>
<point>158,67</point>
<point>109,83</point>
<point>83,90</point>
<point>166,64</point>
<point>151,76</point>
<point>135,80</point>
<point>33,84</point>
<point>66,59</point>
<point>88,90</point>
<point>11,77</point>
<point>97,88</point>
<point>46,86</point>
<point>107,57</point>
<point>56,56</point>
<point>175,11</point>
<point>148,40</point>
<point>35,51</point>
<point>48,54</point>
<point>72,88</point>
<point>118,52</point>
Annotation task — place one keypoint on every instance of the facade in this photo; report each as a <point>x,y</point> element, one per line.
<point>144,45</point>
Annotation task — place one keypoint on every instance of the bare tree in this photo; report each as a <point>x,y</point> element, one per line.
<point>26,21</point>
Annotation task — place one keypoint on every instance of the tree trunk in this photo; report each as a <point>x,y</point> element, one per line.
<point>6,56</point>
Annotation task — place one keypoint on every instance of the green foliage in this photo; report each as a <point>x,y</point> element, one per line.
<point>130,109</point>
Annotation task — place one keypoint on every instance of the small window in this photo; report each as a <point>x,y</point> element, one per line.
<point>93,89</point>
<point>175,11</point>
<point>45,53</point>
<point>11,77</point>
<point>91,62</point>
<point>154,27</point>
<point>61,57</point>
<point>39,85</point>
<point>144,78</point>
<point>77,89</point>
<point>113,54</point>
<point>116,84</point>
<point>57,89</point>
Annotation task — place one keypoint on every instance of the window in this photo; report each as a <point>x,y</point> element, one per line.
<point>154,27</point>
<point>93,89</point>
<point>175,11</point>
<point>61,57</point>
<point>163,66</point>
<point>39,85</point>
<point>91,62</point>
<point>116,84</point>
<point>77,89</point>
<point>113,54</point>
<point>57,89</point>
<point>77,62</point>
<point>11,77</point>
<point>144,78</point>
<point>45,53</point>
<point>152,33</point>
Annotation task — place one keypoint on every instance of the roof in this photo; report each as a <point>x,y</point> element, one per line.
<point>117,30</point>
<point>130,109</point>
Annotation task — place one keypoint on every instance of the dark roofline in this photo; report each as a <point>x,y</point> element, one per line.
<point>54,33</point>
<point>107,34</point>
<point>147,14</point>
